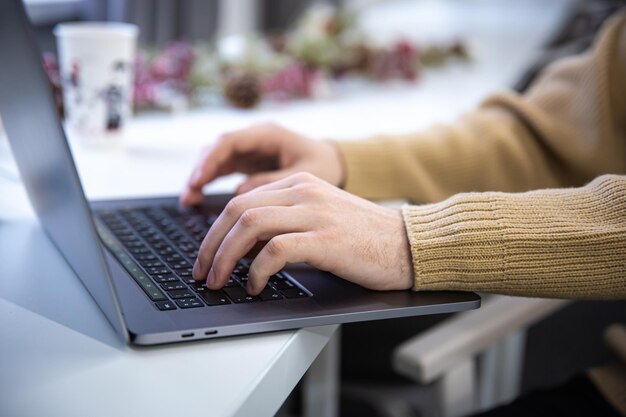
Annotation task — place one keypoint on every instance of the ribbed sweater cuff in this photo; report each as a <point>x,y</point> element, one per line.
<point>546,243</point>
<point>455,244</point>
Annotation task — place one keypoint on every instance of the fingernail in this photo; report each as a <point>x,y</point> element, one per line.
<point>210,280</point>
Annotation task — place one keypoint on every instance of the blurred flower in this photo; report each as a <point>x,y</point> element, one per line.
<point>294,81</point>
<point>399,62</point>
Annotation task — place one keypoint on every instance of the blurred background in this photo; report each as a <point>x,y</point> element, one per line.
<point>267,57</point>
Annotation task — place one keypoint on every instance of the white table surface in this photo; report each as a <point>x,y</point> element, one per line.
<point>59,356</point>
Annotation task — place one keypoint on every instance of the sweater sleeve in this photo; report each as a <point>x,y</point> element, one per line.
<point>547,243</point>
<point>568,129</point>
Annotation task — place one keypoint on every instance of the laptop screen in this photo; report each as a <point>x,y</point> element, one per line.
<point>44,159</point>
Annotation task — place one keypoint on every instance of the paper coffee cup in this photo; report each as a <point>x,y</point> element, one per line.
<point>96,62</point>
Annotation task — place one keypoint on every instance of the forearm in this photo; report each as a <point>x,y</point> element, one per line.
<point>568,129</point>
<point>562,243</point>
<point>487,150</point>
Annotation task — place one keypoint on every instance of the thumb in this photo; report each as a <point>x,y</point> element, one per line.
<point>262,178</point>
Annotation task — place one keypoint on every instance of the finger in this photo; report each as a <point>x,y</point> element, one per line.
<point>227,219</point>
<point>191,197</point>
<point>256,180</point>
<point>260,139</point>
<point>210,166</point>
<point>258,224</point>
<point>280,250</point>
<point>290,181</point>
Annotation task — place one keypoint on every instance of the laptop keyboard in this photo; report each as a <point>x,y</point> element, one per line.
<point>158,247</point>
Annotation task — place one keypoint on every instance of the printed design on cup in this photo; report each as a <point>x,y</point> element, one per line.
<point>114,95</point>
<point>84,101</point>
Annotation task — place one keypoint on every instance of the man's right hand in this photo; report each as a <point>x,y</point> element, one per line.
<point>266,153</point>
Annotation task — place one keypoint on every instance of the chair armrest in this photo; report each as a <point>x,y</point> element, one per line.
<point>430,354</point>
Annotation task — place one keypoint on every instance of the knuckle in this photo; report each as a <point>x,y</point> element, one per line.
<point>234,207</point>
<point>310,190</point>
<point>302,177</point>
<point>301,190</point>
<point>316,189</point>
<point>276,247</point>
<point>249,218</point>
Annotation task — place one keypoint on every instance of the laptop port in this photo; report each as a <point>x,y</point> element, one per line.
<point>185,335</point>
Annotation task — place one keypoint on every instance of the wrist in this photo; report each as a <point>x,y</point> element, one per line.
<point>336,168</point>
<point>405,263</point>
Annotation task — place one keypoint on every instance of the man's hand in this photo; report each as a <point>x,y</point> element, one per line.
<point>266,153</point>
<point>301,218</point>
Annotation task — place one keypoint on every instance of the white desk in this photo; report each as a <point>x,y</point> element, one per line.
<point>59,356</point>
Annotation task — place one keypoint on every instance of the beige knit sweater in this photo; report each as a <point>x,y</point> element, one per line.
<point>483,229</point>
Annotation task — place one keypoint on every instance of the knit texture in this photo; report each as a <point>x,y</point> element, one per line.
<point>548,243</point>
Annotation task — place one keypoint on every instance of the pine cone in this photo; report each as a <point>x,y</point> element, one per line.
<point>243,90</point>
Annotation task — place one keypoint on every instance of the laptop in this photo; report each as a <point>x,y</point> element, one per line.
<point>134,256</point>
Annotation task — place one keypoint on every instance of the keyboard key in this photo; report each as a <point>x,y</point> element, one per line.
<point>232,282</point>
<point>158,271</point>
<point>173,285</point>
<point>186,246</point>
<point>146,257</point>
<point>189,303</point>
<point>239,295</point>
<point>165,305</point>
<point>198,286</point>
<point>164,251</point>
<point>269,294</point>
<point>161,278</point>
<point>160,245</point>
<point>140,251</point>
<point>127,239</point>
<point>184,273</point>
<point>192,254</point>
<point>181,265</point>
<point>294,293</point>
<point>175,236</point>
<point>282,284</point>
<point>153,292</point>
<point>176,294</point>
<point>151,264</point>
<point>136,246</point>
<point>240,270</point>
<point>174,257</point>
<point>214,298</point>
